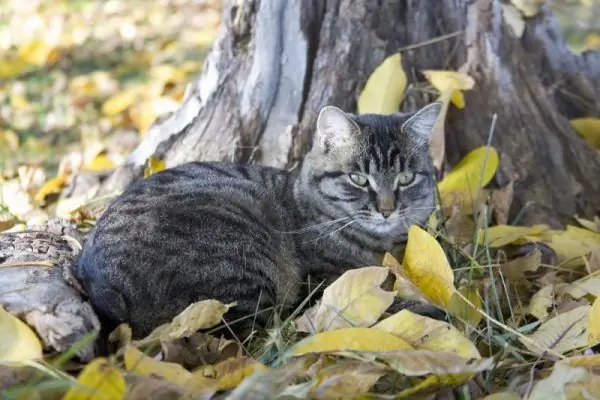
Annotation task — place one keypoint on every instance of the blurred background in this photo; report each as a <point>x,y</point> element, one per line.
<point>81,81</point>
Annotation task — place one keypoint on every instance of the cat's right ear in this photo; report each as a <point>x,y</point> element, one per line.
<point>335,129</point>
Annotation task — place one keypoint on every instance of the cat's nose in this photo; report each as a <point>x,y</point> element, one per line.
<point>386,213</point>
<point>386,204</point>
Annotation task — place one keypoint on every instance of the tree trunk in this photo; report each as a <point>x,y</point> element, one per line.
<point>276,63</point>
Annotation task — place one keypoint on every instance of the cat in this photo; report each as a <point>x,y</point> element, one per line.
<point>254,234</point>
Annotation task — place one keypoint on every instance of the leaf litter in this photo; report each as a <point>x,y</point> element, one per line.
<point>517,326</point>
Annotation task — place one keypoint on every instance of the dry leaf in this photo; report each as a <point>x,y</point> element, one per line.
<point>38,52</point>
<point>467,178</point>
<point>355,339</point>
<point>141,364</point>
<point>514,19</point>
<point>119,102</point>
<point>153,165</point>
<point>541,301</point>
<point>562,333</point>
<point>591,225</point>
<point>501,235</point>
<point>589,129</point>
<point>231,372</point>
<point>553,386</point>
<point>529,8</point>
<point>426,265</point>
<point>18,342</point>
<point>462,309</point>
<point>345,379</point>
<point>354,299</point>
<point>203,314</point>
<point>418,362</point>
<point>384,89</point>
<point>593,323</point>
<point>429,334</point>
<point>99,380</point>
<point>452,83</point>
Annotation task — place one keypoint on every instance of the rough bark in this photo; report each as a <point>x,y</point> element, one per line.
<point>276,63</point>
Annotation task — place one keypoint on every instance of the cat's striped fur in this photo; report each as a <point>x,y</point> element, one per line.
<point>253,234</point>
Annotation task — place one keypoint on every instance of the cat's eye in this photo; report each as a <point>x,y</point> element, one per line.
<point>405,178</point>
<point>359,180</point>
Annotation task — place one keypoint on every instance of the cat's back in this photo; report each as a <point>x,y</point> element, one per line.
<point>181,229</point>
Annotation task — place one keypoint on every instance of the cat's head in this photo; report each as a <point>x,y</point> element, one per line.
<point>372,169</point>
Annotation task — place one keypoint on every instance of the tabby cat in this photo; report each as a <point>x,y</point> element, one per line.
<point>253,234</point>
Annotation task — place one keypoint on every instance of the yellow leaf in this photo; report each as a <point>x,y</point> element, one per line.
<point>9,139</point>
<point>38,52</point>
<point>231,372</point>
<point>553,387</point>
<point>145,113</point>
<point>562,333</point>
<point>451,82</point>
<point>98,83</point>
<point>10,68</point>
<point>529,8</point>
<point>572,246</point>
<point>593,326</point>
<point>50,190</point>
<point>119,102</point>
<point>100,163</point>
<point>426,265</point>
<point>514,19</point>
<point>345,379</point>
<point>501,235</point>
<point>430,334</point>
<point>138,362</point>
<point>384,89</point>
<point>471,174</point>
<point>153,165</point>
<point>541,301</point>
<point>19,101</point>
<point>589,129</point>
<point>353,339</point>
<point>592,41</point>
<point>591,225</point>
<point>203,314</point>
<point>18,342</point>
<point>99,380</point>
<point>354,299</point>
<point>502,396</point>
<point>462,310</point>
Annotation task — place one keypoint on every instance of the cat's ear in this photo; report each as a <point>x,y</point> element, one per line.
<point>420,126</point>
<point>335,129</point>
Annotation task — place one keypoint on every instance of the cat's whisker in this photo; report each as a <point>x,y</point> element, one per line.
<point>316,226</point>
<point>334,231</point>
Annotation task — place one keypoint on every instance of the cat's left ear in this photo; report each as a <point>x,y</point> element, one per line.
<point>420,126</point>
<point>335,129</point>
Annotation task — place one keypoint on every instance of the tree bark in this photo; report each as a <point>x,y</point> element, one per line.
<point>276,63</point>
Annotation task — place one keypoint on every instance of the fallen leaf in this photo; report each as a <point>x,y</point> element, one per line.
<point>462,309</point>
<point>9,139</point>
<point>99,380</point>
<point>426,265</point>
<point>120,101</point>
<point>541,301</point>
<point>513,19</point>
<point>141,364</point>
<point>591,225</point>
<point>450,82</point>
<point>419,362</point>
<point>355,339</point>
<point>384,89</point>
<point>593,324</point>
<point>501,201</point>
<point>100,163</point>
<point>153,165</point>
<point>345,379</point>
<point>354,299</point>
<point>18,342</point>
<point>50,191</point>
<point>231,372</point>
<point>553,385</point>
<point>501,235</point>
<point>529,8</point>
<point>561,334</point>
<point>515,270</point>
<point>589,129</point>
<point>203,314</point>
<point>38,52</point>
<point>429,334</point>
<point>471,174</point>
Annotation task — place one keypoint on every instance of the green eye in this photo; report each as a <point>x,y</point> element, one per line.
<point>359,180</point>
<point>405,178</point>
